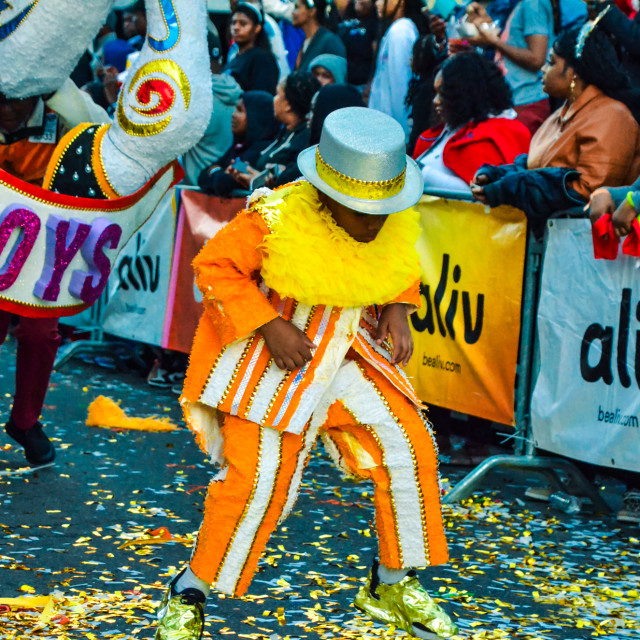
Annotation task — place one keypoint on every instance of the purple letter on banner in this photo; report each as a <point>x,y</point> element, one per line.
<point>60,251</point>
<point>83,285</point>
<point>16,217</point>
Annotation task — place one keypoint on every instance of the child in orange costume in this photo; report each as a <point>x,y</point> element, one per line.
<point>292,348</point>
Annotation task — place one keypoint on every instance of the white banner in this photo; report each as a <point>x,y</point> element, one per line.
<point>139,282</point>
<point>586,401</point>
<point>57,251</point>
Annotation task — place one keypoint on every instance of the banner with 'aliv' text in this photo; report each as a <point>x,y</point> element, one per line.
<point>466,335</point>
<point>586,399</point>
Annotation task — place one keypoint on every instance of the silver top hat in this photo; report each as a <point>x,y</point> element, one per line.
<point>361,162</point>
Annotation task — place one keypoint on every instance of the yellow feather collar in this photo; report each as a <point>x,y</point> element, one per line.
<point>310,258</point>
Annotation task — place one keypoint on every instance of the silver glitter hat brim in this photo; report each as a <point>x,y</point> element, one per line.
<point>409,196</point>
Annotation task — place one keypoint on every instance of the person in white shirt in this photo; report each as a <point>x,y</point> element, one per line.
<point>393,65</point>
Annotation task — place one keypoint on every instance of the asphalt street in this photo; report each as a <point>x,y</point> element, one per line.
<point>88,544</point>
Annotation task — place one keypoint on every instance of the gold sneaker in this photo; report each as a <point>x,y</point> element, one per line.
<point>181,615</point>
<point>406,605</point>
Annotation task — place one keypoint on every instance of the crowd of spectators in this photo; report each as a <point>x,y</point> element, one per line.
<point>515,101</point>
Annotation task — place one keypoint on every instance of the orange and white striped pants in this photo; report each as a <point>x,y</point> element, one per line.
<point>373,431</point>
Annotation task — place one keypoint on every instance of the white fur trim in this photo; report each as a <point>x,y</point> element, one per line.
<point>204,420</point>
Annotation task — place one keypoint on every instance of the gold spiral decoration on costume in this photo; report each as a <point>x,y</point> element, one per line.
<point>147,86</point>
<point>373,190</point>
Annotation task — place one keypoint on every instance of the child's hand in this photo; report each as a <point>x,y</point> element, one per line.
<point>394,322</point>
<point>289,346</point>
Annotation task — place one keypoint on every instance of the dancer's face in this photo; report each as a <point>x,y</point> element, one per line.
<point>362,227</point>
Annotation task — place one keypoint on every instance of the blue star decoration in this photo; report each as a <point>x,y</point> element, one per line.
<point>4,4</point>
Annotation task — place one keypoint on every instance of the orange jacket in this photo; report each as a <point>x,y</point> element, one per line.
<point>26,160</point>
<point>230,366</point>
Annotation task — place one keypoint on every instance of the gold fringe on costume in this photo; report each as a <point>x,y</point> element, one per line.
<point>309,258</point>
<point>104,412</point>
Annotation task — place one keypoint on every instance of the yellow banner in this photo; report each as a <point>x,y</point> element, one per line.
<point>467,332</point>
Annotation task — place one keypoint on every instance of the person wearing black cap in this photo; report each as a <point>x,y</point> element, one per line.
<point>329,99</point>
<point>254,68</point>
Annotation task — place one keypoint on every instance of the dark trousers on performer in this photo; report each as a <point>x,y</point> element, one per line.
<point>38,341</point>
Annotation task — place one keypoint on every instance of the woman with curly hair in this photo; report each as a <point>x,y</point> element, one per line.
<point>521,48</point>
<point>473,100</point>
<point>592,140</point>
<point>425,63</point>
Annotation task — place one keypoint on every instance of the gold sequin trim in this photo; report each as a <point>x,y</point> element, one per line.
<point>98,163</point>
<point>164,67</point>
<point>33,6</point>
<point>234,375</point>
<point>375,436</point>
<point>265,512</point>
<point>232,538</point>
<point>368,190</point>
<point>213,370</point>
<point>413,458</point>
<point>252,397</point>
<point>284,380</point>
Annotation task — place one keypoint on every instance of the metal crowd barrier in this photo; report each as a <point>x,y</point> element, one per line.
<point>525,458</point>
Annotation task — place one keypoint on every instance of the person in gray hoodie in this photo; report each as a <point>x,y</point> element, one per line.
<point>218,137</point>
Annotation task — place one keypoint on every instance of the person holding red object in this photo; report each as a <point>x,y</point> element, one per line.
<point>613,212</point>
<point>592,140</point>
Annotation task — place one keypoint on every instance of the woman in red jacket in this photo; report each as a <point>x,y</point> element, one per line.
<point>473,100</point>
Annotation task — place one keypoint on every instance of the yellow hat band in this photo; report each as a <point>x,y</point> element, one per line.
<point>375,190</point>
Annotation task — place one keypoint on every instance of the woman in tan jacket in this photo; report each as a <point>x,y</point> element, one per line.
<point>591,141</point>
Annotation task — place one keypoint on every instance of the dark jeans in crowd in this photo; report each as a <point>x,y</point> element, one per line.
<point>38,340</point>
